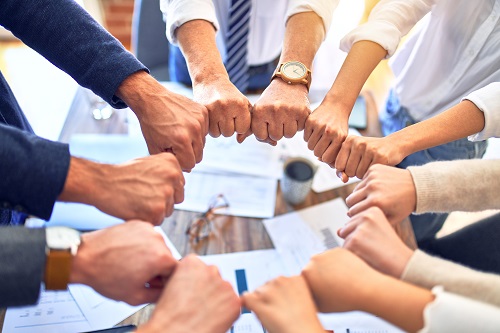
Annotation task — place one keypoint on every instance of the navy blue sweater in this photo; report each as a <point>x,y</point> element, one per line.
<point>33,170</point>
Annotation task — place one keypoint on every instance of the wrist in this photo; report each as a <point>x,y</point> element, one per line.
<point>210,77</point>
<point>83,181</point>
<point>139,88</point>
<point>337,105</point>
<point>81,263</point>
<point>401,144</point>
<point>399,263</point>
<point>280,84</point>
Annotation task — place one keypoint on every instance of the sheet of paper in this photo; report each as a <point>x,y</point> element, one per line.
<point>249,270</point>
<point>299,235</point>
<point>101,312</point>
<point>246,271</point>
<point>250,158</point>
<point>247,196</point>
<point>325,178</point>
<point>56,311</point>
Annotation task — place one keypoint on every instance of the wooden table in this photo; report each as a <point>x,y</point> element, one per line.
<point>230,233</point>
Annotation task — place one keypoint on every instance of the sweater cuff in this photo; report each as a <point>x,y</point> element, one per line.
<point>427,191</point>
<point>37,172</point>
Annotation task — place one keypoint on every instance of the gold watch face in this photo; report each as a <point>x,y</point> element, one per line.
<point>294,70</point>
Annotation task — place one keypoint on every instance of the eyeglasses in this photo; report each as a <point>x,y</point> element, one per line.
<point>201,226</point>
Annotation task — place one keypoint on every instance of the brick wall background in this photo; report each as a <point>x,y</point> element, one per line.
<point>118,19</point>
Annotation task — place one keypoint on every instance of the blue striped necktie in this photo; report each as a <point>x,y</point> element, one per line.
<point>237,37</point>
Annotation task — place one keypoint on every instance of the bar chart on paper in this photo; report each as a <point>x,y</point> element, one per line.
<point>246,271</point>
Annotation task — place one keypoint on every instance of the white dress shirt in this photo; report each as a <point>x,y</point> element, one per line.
<point>455,51</point>
<point>267,21</point>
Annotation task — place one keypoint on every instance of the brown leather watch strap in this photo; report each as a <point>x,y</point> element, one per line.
<point>58,270</point>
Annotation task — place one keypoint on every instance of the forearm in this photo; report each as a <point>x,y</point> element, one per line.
<point>197,41</point>
<point>362,59</point>
<point>303,36</point>
<point>458,122</point>
<point>84,182</point>
<point>403,306</point>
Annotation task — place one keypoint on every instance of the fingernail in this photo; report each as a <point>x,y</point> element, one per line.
<point>339,174</point>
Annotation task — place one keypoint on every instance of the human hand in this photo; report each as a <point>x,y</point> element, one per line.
<point>280,112</point>
<point>282,301</point>
<point>324,132</point>
<point>388,188</point>
<point>195,299</point>
<point>370,236</point>
<point>228,108</point>
<point>169,122</point>
<point>358,153</point>
<point>144,188</point>
<point>340,281</point>
<point>119,261</point>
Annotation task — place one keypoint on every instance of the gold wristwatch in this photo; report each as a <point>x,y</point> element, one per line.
<point>62,245</point>
<point>293,72</point>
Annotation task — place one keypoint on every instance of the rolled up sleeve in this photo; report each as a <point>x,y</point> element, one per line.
<point>178,12</point>
<point>388,22</point>
<point>487,99</point>
<point>453,313</point>
<point>323,8</point>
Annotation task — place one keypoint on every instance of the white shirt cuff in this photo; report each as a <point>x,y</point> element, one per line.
<point>487,99</point>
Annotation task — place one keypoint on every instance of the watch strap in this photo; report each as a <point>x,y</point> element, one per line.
<point>58,269</point>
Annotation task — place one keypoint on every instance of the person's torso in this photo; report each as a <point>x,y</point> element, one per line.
<point>456,51</point>
<point>267,29</point>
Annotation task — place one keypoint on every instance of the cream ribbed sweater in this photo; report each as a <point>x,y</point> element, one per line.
<point>468,185</point>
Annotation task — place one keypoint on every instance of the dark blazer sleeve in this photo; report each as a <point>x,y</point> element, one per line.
<point>22,262</point>
<point>34,172</point>
<point>65,34</point>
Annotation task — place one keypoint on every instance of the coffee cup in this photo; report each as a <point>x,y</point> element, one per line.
<point>298,175</point>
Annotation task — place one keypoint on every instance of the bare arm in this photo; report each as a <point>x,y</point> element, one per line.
<point>458,122</point>
<point>327,126</point>
<point>229,109</point>
<point>145,188</point>
<point>357,154</point>
<point>340,281</point>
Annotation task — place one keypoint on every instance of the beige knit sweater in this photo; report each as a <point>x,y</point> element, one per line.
<point>468,185</point>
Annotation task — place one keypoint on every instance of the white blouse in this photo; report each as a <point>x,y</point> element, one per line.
<point>456,49</point>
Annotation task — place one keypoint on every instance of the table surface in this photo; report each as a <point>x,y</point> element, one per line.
<point>230,233</point>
